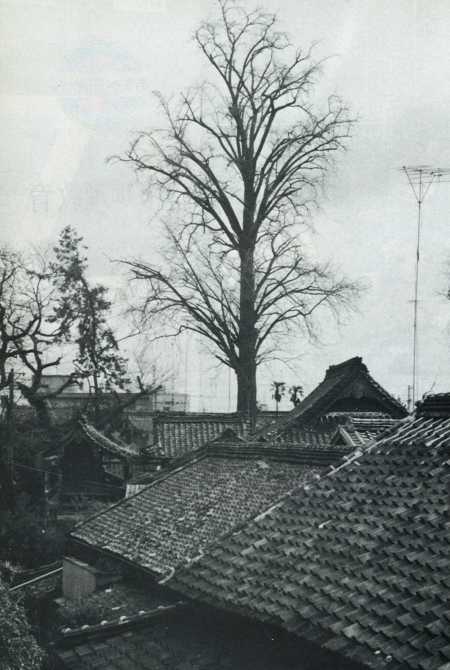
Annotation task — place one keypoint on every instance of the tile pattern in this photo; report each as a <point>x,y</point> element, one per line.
<point>317,437</point>
<point>357,431</point>
<point>187,640</point>
<point>437,405</point>
<point>100,440</point>
<point>179,514</point>
<point>338,379</point>
<point>357,561</point>
<point>287,452</point>
<point>176,436</point>
<point>338,430</point>
<point>116,604</point>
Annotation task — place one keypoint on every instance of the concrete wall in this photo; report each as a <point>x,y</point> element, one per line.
<point>79,579</point>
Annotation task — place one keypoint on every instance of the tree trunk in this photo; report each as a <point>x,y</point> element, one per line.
<point>246,371</point>
<point>39,404</point>
<point>7,497</point>
<point>96,400</point>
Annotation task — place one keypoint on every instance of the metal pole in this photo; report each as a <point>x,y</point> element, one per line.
<point>416,287</point>
<point>420,178</point>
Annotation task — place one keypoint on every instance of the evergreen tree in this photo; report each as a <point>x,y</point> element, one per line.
<point>87,306</point>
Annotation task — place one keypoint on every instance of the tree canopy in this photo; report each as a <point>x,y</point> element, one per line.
<point>85,307</point>
<point>18,648</point>
<point>242,159</point>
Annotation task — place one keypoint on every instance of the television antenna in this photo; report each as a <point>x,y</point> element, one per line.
<point>420,178</point>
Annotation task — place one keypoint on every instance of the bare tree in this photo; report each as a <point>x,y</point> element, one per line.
<point>201,291</point>
<point>30,338</point>
<point>245,155</point>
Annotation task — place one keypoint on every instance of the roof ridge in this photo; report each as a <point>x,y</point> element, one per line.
<point>117,625</point>
<point>213,416</point>
<point>315,478</point>
<point>105,442</point>
<point>350,363</point>
<point>390,397</point>
<point>346,460</point>
<point>256,448</point>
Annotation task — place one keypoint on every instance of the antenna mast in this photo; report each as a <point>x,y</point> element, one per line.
<point>420,178</point>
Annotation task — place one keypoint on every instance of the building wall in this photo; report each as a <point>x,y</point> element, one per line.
<point>52,383</point>
<point>68,404</point>
<point>79,579</point>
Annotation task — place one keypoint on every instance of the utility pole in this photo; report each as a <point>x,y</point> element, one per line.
<point>408,404</point>
<point>420,178</point>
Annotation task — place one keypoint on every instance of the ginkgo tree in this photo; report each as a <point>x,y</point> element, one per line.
<point>242,159</point>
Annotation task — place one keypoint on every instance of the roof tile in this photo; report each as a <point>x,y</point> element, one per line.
<point>360,556</point>
<point>174,518</point>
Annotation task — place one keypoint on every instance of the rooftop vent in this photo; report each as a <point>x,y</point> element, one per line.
<point>434,406</point>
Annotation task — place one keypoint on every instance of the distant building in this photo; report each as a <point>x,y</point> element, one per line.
<point>53,384</point>
<point>75,397</point>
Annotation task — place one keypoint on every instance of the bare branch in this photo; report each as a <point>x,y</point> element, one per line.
<point>242,158</point>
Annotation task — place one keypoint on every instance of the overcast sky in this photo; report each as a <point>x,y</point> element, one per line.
<point>78,79</point>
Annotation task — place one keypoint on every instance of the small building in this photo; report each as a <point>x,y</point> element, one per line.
<point>93,466</point>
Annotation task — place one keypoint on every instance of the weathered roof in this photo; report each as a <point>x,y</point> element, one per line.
<point>357,561</point>
<point>178,435</point>
<point>177,515</point>
<point>336,429</point>
<point>317,437</point>
<point>340,380</point>
<point>119,603</point>
<point>356,430</point>
<point>436,406</point>
<point>94,436</point>
<point>186,639</point>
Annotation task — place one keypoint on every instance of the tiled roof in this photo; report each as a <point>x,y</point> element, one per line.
<point>178,435</point>
<point>437,405</point>
<point>100,440</point>
<point>337,429</point>
<point>338,379</point>
<point>357,431</point>
<point>298,453</point>
<point>82,430</point>
<point>185,639</point>
<point>176,516</point>
<point>118,604</point>
<point>357,561</point>
<point>316,438</point>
